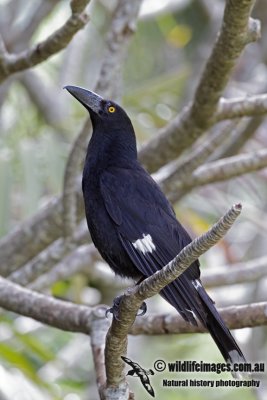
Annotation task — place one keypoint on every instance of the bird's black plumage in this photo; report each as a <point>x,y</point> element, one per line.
<point>131,222</point>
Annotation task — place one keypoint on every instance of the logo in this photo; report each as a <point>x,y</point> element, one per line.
<point>141,373</point>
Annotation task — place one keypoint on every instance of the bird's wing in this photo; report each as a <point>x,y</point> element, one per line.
<point>150,233</point>
<point>133,364</point>
<point>146,383</point>
<point>141,374</point>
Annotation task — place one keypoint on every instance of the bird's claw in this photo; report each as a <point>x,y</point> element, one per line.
<point>116,307</point>
<point>143,309</point>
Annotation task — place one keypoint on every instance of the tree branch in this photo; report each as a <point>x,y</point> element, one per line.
<point>180,170</point>
<point>78,318</point>
<point>240,137</point>
<point>99,328</point>
<point>241,107</point>
<point>11,63</point>
<point>81,259</point>
<point>17,36</point>
<point>78,6</point>
<point>117,41</point>
<point>3,49</point>
<point>116,342</point>
<point>250,271</point>
<point>70,215</point>
<point>237,30</point>
<point>46,309</point>
<point>216,171</point>
<point>46,260</point>
<point>235,317</point>
<point>45,98</point>
<point>33,235</point>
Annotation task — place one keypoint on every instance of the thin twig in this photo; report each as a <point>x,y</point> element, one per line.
<point>181,169</point>
<point>3,50</point>
<point>45,98</point>
<point>33,235</point>
<point>250,271</point>
<point>99,328</point>
<point>70,215</point>
<point>241,137</point>
<point>80,260</point>
<point>57,41</point>
<point>46,260</point>
<point>18,36</point>
<point>117,41</point>
<point>77,6</point>
<point>217,171</point>
<point>241,107</point>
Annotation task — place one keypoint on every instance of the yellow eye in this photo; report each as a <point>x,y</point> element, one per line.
<point>111,109</point>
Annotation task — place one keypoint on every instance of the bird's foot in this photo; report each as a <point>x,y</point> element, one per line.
<point>116,307</point>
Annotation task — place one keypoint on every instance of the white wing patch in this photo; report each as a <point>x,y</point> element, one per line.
<point>196,283</point>
<point>145,245</point>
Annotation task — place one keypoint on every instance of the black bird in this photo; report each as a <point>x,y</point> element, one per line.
<point>142,373</point>
<point>131,222</point>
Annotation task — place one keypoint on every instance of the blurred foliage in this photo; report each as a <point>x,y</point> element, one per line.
<point>161,70</point>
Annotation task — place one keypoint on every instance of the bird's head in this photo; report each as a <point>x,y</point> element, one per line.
<point>113,133</point>
<point>102,112</point>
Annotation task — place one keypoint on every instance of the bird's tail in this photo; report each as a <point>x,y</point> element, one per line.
<point>220,333</point>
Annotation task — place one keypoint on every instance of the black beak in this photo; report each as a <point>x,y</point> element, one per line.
<point>89,100</point>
